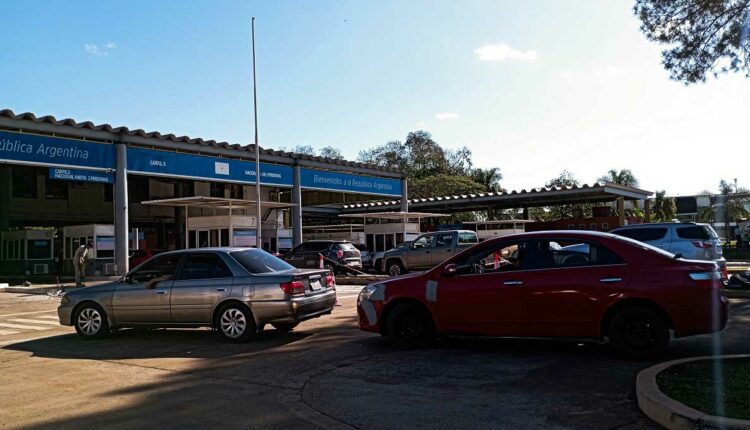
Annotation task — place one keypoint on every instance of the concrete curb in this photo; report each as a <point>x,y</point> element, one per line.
<point>673,414</point>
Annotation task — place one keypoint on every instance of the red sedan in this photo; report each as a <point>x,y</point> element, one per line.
<point>565,284</point>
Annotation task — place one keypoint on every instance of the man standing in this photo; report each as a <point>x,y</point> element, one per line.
<point>80,260</point>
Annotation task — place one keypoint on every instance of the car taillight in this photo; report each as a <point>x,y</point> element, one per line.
<point>711,279</point>
<point>702,245</point>
<point>293,288</point>
<point>330,281</point>
<point>340,254</point>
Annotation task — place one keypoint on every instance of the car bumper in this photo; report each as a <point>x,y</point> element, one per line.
<point>64,313</point>
<point>368,313</point>
<point>294,310</point>
<point>695,318</point>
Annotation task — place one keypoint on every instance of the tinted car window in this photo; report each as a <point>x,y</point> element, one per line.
<point>559,253</point>
<point>313,247</point>
<point>422,242</point>
<point>467,238</point>
<point>696,232</point>
<point>643,234</point>
<point>159,267</point>
<point>500,257</point>
<point>443,240</point>
<point>258,261</point>
<point>204,266</point>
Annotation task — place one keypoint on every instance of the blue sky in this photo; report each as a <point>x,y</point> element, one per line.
<point>530,87</point>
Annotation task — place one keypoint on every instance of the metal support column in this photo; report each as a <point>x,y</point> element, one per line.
<point>297,208</point>
<point>121,209</point>
<point>404,196</point>
<point>620,211</point>
<point>647,210</point>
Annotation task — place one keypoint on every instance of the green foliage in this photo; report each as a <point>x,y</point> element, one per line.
<point>443,185</point>
<point>664,209</point>
<point>331,152</point>
<point>623,177</point>
<point>703,36</point>
<point>564,179</point>
<point>489,178</point>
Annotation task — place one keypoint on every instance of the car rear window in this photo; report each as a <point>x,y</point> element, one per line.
<point>313,247</point>
<point>346,247</point>
<point>467,238</point>
<point>259,261</point>
<point>695,232</point>
<point>643,234</point>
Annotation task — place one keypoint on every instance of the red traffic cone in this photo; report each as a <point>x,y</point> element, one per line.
<point>322,264</point>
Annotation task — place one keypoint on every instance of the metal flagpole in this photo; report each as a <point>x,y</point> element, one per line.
<point>259,241</point>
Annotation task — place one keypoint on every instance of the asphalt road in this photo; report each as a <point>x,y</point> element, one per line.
<point>325,372</point>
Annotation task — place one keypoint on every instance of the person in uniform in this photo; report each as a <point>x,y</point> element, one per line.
<point>80,260</point>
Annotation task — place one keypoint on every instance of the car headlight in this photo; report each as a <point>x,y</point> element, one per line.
<point>372,292</point>
<point>65,299</point>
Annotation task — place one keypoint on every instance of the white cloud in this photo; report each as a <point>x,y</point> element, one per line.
<point>503,52</point>
<point>99,50</point>
<point>446,116</point>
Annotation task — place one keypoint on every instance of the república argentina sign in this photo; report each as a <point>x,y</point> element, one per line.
<point>46,150</point>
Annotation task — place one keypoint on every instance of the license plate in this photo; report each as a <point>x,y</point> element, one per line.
<point>315,285</point>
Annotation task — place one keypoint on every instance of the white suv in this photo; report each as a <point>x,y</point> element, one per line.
<point>689,240</point>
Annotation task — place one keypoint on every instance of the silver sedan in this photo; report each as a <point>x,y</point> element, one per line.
<point>237,291</point>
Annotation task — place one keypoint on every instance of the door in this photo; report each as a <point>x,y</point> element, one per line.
<point>202,282</point>
<point>202,238</point>
<point>443,248</point>
<point>143,295</point>
<point>570,283</point>
<point>486,295</point>
<point>420,252</point>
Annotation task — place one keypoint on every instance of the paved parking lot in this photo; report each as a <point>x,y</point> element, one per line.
<point>326,372</point>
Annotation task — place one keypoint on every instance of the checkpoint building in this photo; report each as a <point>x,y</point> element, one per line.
<point>64,182</point>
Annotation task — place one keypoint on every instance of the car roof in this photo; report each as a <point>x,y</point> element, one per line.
<point>224,249</point>
<point>658,224</point>
<point>450,231</point>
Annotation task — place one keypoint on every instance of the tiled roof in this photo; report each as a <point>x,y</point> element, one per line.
<point>49,119</point>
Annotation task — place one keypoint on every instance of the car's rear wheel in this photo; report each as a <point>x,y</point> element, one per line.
<point>235,323</point>
<point>639,333</point>
<point>410,326</point>
<point>395,268</point>
<point>90,322</point>
<point>284,327</point>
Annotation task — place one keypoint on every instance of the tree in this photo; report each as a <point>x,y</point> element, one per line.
<point>564,179</point>
<point>623,177</point>
<point>704,36</point>
<point>330,152</point>
<point>664,207</point>
<point>443,185</point>
<point>488,178</point>
<point>707,214</point>
<point>734,204</point>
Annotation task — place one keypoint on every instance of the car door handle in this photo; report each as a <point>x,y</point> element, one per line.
<point>161,291</point>
<point>221,289</point>
<point>610,280</point>
<point>512,283</point>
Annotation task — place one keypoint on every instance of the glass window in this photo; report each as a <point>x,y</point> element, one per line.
<point>496,258</point>
<point>216,189</point>
<point>158,267</point>
<point>696,232</point>
<point>559,253</point>
<point>422,242</point>
<point>389,242</point>
<point>183,188</point>
<point>466,237</point>
<point>380,243</point>
<point>55,189</point>
<point>346,246</point>
<point>313,247</point>
<point>443,240</point>
<point>204,266</point>
<point>138,188</point>
<point>39,249</point>
<point>259,261</point>
<point>108,192</point>
<point>236,191</point>
<point>643,234</point>
<point>24,182</point>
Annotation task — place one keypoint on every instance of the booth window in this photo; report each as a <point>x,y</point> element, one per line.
<point>24,182</point>
<point>39,249</point>
<point>55,189</point>
<point>217,189</point>
<point>236,191</point>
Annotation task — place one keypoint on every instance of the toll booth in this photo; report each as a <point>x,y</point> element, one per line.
<point>27,252</point>
<point>102,261</point>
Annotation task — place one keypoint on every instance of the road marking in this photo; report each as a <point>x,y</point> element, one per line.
<point>24,327</point>
<point>26,313</point>
<point>25,320</point>
<point>7,332</point>
<point>49,317</point>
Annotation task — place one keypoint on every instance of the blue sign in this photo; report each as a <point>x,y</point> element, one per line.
<point>55,151</point>
<point>335,181</point>
<point>175,164</point>
<point>80,175</point>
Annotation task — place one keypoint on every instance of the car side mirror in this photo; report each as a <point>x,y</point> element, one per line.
<point>449,270</point>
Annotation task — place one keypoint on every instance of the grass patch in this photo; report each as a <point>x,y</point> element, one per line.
<point>694,385</point>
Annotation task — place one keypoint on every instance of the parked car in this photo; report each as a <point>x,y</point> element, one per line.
<point>527,285</point>
<point>426,251</point>
<point>138,256</point>
<point>338,254</point>
<point>690,240</point>
<point>234,290</point>
<point>365,255</point>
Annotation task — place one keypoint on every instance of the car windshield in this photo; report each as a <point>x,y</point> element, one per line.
<point>259,261</point>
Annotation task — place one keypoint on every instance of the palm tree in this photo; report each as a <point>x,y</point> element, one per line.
<point>488,178</point>
<point>664,207</point>
<point>734,199</point>
<point>623,177</point>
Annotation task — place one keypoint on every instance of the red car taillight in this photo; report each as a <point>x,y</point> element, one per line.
<point>709,279</point>
<point>330,281</point>
<point>293,288</point>
<point>702,245</point>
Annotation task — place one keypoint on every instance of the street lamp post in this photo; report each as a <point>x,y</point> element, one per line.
<point>258,223</point>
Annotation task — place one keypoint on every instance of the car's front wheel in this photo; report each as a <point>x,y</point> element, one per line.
<point>410,326</point>
<point>639,333</point>
<point>395,268</point>
<point>235,323</point>
<point>90,321</point>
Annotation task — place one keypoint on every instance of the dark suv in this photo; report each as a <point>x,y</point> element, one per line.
<point>338,255</point>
